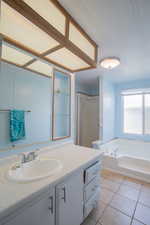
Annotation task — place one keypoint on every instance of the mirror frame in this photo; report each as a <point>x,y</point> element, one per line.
<point>53,102</point>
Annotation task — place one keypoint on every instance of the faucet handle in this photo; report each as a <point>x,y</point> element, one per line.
<point>32,155</point>
<point>23,157</point>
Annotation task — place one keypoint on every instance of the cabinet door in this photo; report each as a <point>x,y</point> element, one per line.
<point>69,201</point>
<point>40,212</point>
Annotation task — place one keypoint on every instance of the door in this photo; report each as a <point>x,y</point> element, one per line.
<point>69,201</point>
<point>41,212</point>
<point>88,120</point>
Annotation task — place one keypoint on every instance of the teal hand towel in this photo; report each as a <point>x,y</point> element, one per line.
<point>17,125</point>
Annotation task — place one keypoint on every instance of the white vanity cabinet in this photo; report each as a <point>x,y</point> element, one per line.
<point>40,211</point>
<point>69,201</point>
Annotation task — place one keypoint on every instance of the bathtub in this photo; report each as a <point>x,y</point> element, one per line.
<point>128,157</point>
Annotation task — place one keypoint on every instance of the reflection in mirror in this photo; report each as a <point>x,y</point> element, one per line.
<point>30,93</point>
<point>13,55</point>
<point>61,105</point>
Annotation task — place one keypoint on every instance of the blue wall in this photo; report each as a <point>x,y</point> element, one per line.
<point>118,108</point>
<point>108,93</point>
<point>21,89</point>
<point>89,89</point>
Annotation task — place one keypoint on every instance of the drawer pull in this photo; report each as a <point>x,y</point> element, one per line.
<point>51,208</point>
<point>64,194</point>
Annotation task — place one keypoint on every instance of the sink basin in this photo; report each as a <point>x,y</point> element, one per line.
<point>35,170</point>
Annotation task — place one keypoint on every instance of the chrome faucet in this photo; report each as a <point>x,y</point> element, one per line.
<point>28,157</point>
<point>115,152</point>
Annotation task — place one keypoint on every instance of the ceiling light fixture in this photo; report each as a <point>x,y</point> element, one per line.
<point>110,62</point>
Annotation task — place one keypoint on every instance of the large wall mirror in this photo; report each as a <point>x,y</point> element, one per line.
<point>30,90</point>
<point>61,113</point>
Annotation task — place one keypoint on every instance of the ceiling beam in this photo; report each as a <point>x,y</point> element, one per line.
<point>44,54</point>
<point>24,48</point>
<point>58,5</point>
<point>52,50</point>
<point>36,19</point>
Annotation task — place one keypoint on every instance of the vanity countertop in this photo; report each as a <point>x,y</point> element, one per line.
<point>13,194</point>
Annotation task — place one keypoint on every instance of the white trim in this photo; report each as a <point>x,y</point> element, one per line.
<point>136,91</point>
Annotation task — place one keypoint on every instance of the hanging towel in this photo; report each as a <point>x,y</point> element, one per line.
<point>17,125</point>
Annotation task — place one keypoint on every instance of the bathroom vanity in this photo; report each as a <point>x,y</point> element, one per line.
<point>63,198</point>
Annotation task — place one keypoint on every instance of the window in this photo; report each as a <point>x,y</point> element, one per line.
<point>133,114</point>
<point>136,112</point>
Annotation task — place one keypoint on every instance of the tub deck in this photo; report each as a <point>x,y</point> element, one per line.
<point>128,157</point>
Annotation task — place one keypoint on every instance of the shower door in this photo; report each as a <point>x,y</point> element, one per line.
<point>87,119</point>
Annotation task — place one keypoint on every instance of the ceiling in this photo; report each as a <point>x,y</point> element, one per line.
<point>120,28</point>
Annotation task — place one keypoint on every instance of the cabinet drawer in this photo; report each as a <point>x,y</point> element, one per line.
<point>91,172</point>
<point>91,188</point>
<point>91,203</point>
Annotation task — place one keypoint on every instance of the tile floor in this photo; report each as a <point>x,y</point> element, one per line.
<point>124,201</point>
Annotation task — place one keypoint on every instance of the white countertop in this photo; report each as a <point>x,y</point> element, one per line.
<point>72,157</point>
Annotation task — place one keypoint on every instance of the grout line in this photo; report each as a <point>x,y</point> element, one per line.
<point>130,186</point>
<point>148,206</point>
<point>140,222</point>
<point>117,192</point>
<point>97,222</point>
<point>109,189</point>
<point>141,203</point>
<point>120,211</point>
<point>107,205</point>
<point>136,204</point>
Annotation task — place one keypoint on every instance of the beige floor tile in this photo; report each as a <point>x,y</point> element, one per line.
<point>112,176</point>
<point>123,204</point>
<point>135,222</point>
<point>142,214</point>
<point>133,182</point>
<point>97,213</point>
<point>109,184</point>
<point>88,221</point>
<point>106,195</point>
<point>129,192</point>
<point>104,172</point>
<point>101,179</point>
<point>114,217</point>
<point>146,188</point>
<point>145,198</point>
